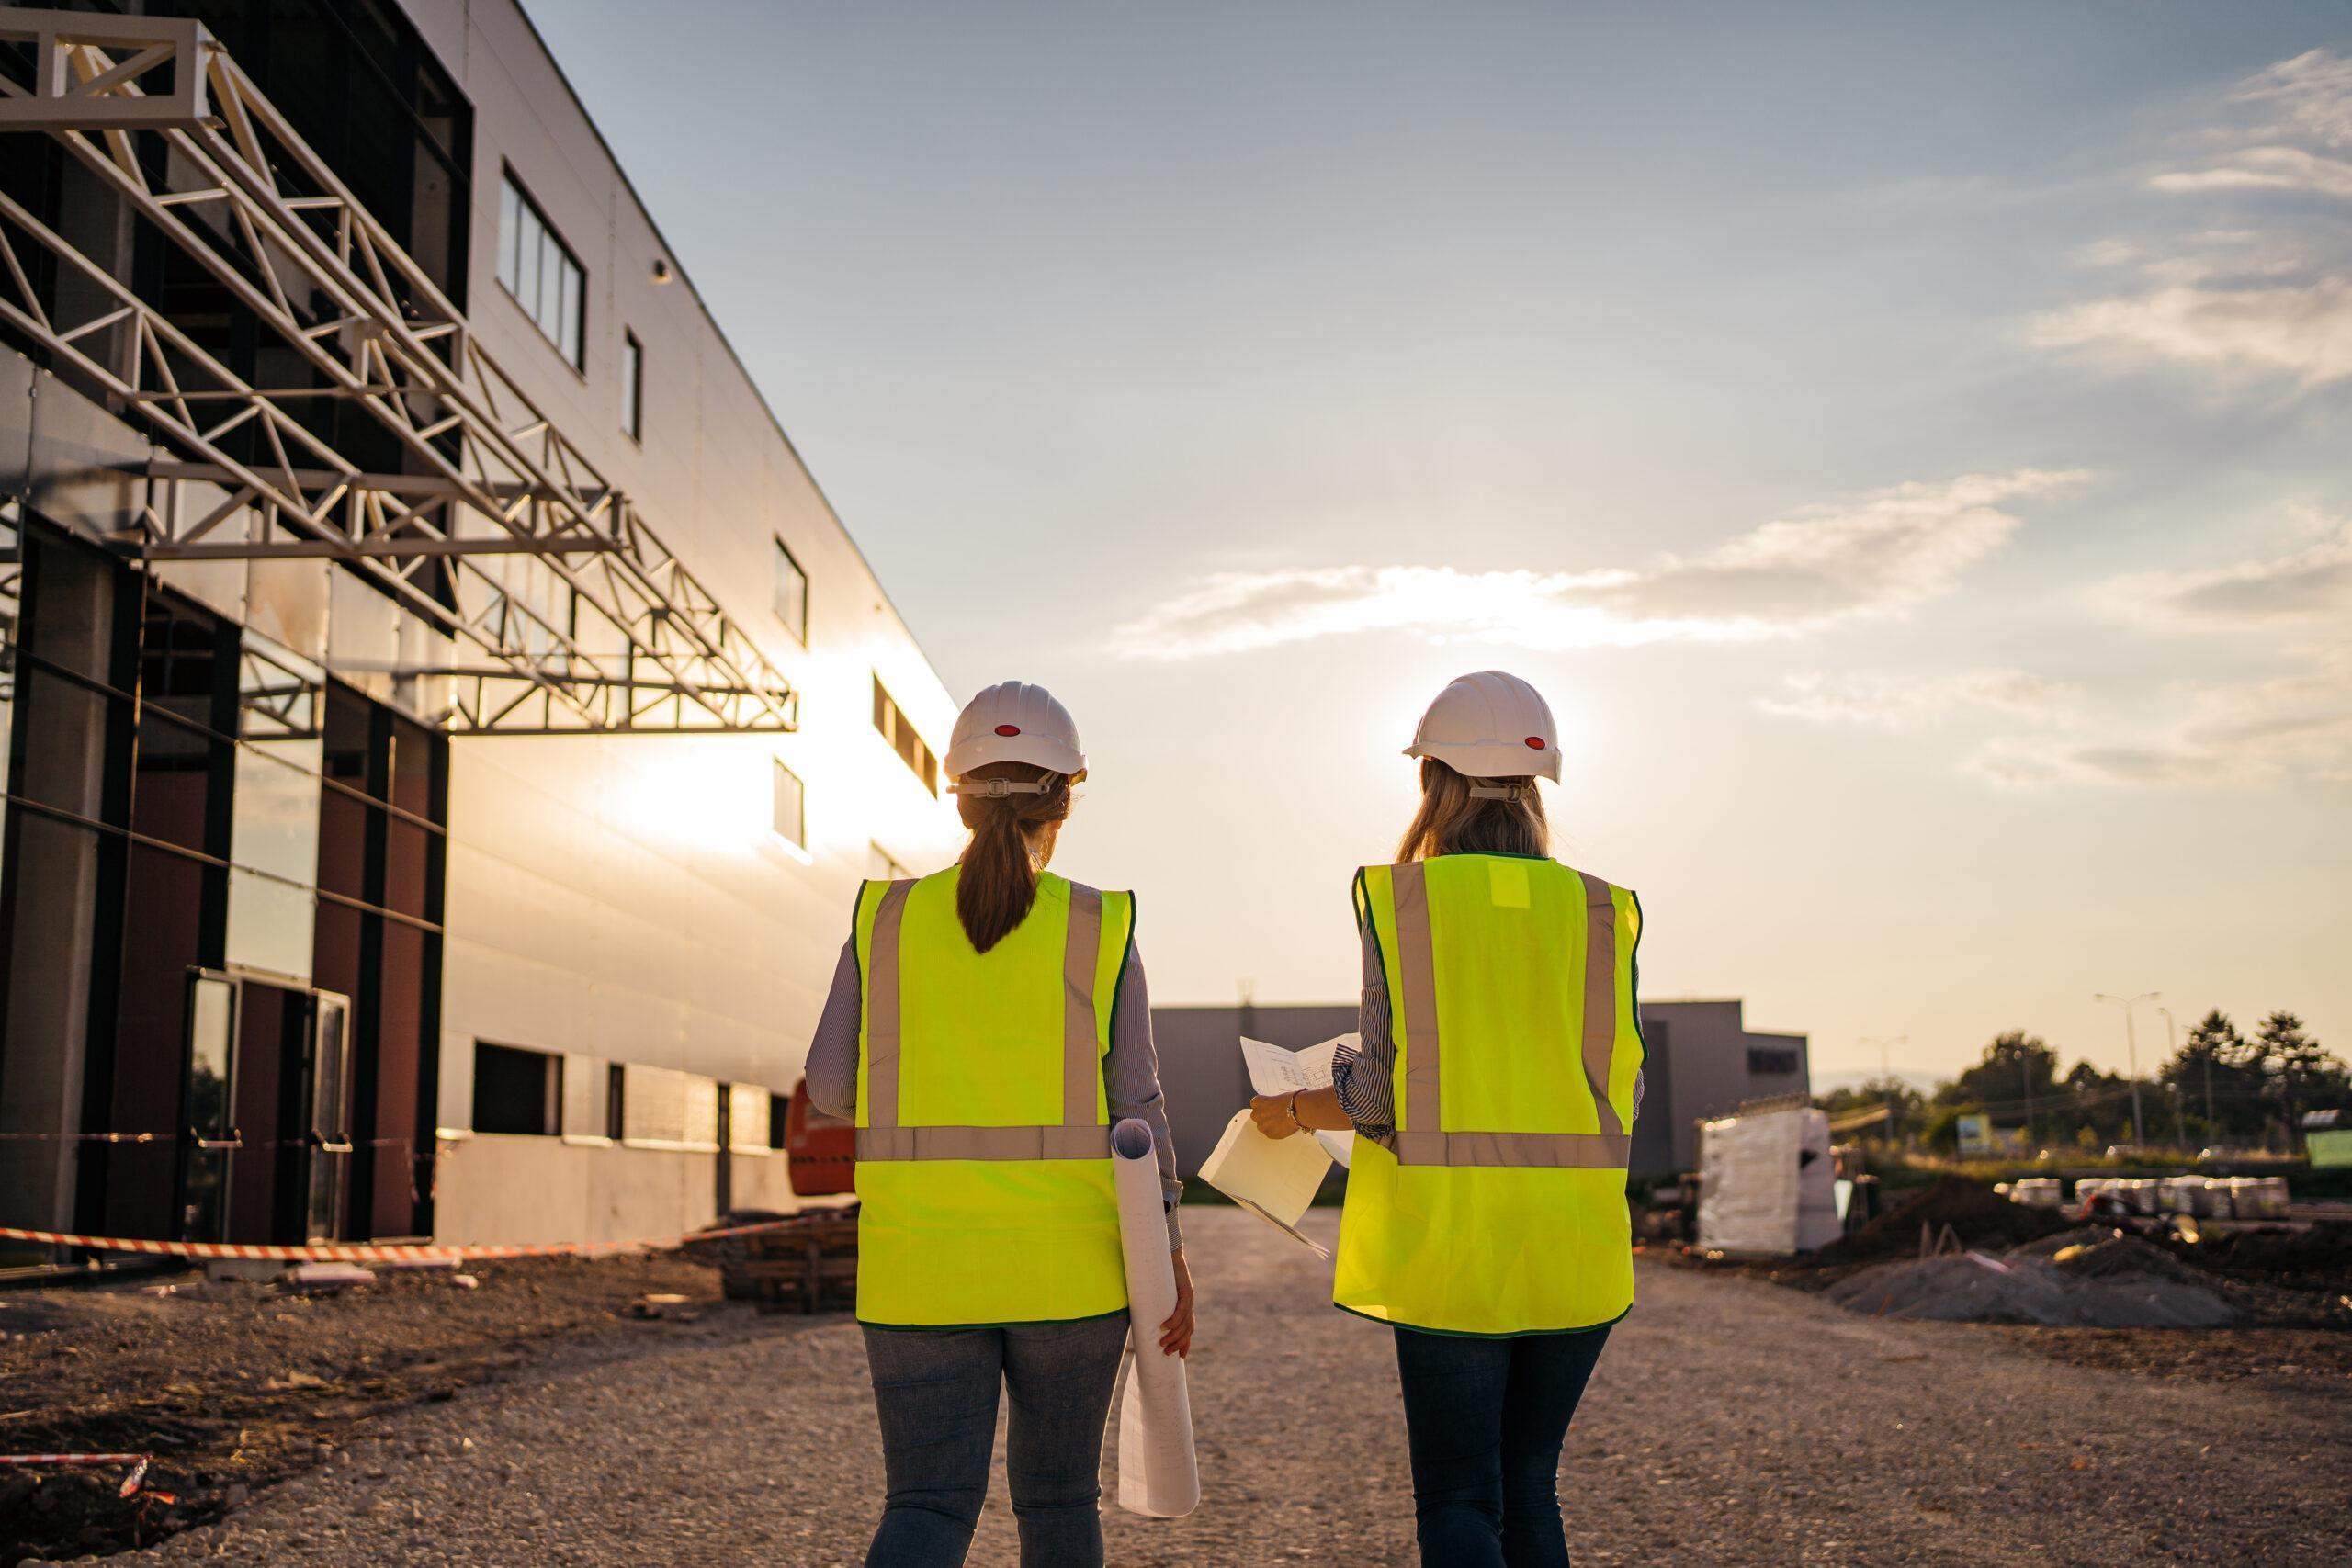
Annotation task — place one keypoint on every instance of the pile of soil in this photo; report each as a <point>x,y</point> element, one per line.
<point>234,1385</point>
<point>2114,1282</point>
<point>1981,1217</point>
<point>2315,1259</point>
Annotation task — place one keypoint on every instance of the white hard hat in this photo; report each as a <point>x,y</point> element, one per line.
<point>1490,726</point>
<point>1015,722</point>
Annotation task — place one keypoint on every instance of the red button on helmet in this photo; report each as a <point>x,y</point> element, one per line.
<point>1535,743</point>
<point>1008,729</point>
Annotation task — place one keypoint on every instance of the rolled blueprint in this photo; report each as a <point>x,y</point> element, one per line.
<point>1158,1475</point>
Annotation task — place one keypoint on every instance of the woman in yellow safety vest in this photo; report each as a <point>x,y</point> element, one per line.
<point>987,1026</point>
<point>1495,1089</point>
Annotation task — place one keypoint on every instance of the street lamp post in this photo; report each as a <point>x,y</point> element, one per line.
<point>2132,1054</point>
<point>2179,1099</point>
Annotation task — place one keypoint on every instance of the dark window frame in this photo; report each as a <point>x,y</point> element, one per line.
<point>511,283</point>
<point>799,839</point>
<point>515,1121</point>
<point>784,556</point>
<point>632,386</point>
<point>897,730</point>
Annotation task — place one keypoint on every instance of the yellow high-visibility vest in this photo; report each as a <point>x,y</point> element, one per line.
<point>983,1128</point>
<point>1497,1205</point>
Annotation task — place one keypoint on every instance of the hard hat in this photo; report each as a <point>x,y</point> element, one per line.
<point>1013,722</point>
<point>1490,726</point>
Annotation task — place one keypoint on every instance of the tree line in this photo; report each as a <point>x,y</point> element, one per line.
<point>2218,1086</point>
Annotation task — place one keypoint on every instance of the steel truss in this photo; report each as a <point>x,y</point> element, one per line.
<point>501,532</point>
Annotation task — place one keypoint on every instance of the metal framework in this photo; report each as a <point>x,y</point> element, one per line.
<point>498,530</point>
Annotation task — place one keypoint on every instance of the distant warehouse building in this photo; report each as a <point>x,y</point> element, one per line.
<point>443,723</point>
<point>1703,1061</point>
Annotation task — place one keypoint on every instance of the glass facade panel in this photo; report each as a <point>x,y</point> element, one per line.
<point>330,1124</point>
<point>270,924</point>
<point>195,840</point>
<point>211,1037</point>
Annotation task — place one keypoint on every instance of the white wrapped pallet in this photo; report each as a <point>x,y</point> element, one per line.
<point>1767,1183</point>
<point>2036,1192</point>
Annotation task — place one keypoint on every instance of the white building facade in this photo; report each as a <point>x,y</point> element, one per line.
<point>472,761</point>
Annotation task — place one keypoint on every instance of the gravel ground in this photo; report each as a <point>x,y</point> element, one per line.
<point>1731,1422</point>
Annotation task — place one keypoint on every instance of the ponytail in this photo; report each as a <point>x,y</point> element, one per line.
<point>1013,838</point>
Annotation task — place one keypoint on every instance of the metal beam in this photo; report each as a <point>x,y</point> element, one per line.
<point>121,96</point>
<point>538,548</point>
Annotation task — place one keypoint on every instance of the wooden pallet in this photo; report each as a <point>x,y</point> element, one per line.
<point>810,1266</point>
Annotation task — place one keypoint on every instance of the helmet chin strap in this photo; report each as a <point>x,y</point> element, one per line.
<point>1503,791</point>
<point>996,789</point>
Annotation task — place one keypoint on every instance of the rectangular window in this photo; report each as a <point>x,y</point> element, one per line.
<point>538,269</point>
<point>791,807</point>
<point>517,1090</point>
<point>632,386</point>
<point>791,594</point>
<point>1771,1061</point>
<point>616,1118</point>
<point>779,1117</point>
<point>899,731</point>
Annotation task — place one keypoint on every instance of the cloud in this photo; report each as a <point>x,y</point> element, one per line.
<point>2243,305</point>
<point>2310,95</point>
<point>1897,701</point>
<point>2233,734</point>
<point>2264,168</point>
<point>1877,556</point>
<point>2300,332</point>
<point>2304,585</point>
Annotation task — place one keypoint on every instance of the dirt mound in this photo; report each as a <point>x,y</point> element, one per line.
<point>2115,1254</point>
<point>2117,1283</point>
<point>2315,1259</point>
<point>1980,1216</point>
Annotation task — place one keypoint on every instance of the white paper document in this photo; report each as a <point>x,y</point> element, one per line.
<point>1160,1476</point>
<point>1273,1070</point>
<point>1274,1178</point>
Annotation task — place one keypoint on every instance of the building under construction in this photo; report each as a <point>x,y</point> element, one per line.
<point>444,723</point>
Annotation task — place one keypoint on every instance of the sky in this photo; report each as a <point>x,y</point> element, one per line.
<point>1909,445</point>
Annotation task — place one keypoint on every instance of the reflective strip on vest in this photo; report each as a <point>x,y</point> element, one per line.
<point>1418,1141</point>
<point>1556,1151</point>
<point>1080,1134</point>
<point>984,1143</point>
<point>882,1010</point>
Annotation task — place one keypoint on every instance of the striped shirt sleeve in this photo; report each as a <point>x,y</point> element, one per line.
<point>1363,1078</point>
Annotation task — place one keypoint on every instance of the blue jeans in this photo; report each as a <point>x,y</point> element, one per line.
<point>1483,1420</point>
<point>936,1391</point>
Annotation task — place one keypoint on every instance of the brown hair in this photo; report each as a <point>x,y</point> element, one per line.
<point>1452,822</point>
<point>1013,838</point>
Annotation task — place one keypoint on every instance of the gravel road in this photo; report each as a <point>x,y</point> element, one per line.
<point>1731,1421</point>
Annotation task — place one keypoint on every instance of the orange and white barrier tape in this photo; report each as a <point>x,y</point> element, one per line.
<point>370,1252</point>
<point>138,1463</point>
